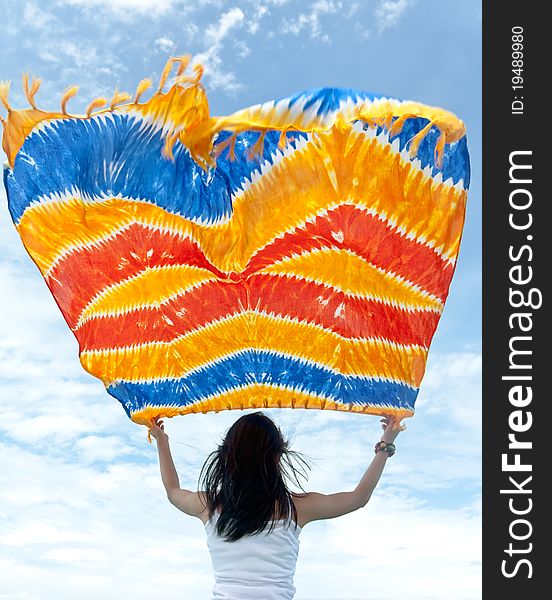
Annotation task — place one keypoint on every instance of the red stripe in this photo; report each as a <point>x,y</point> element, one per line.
<point>369,237</point>
<point>358,317</point>
<point>193,309</point>
<point>306,301</point>
<point>79,276</point>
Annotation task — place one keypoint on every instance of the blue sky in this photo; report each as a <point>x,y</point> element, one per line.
<point>82,507</point>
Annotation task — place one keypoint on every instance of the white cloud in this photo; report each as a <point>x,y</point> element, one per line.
<point>430,548</point>
<point>73,61</point>
<point>186,34</point>
<point>35,17</point>
<point>62,518</point>
<point>82,504</point>
<point>165,44</point>
<point>122,7</point>
<point>454,376</point>
<point>68,51</point>
<point>254,19</point>
<point>310,21</point>
<point>215,72</point>
<point>361,30</point>
<point>389,12</point>
<point>352,9</point>
<point>242,48</point>
<point>228,21</point>
<point>94,448</point>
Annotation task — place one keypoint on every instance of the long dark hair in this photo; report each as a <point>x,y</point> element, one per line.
<point>245,477</point>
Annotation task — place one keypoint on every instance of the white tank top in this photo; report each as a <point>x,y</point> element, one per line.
<point>255,567</point>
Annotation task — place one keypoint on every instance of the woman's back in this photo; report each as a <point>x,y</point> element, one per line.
<point>246,477</point>
<point>255,567</point>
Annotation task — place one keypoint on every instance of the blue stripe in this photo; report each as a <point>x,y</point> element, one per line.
<point>241,169</point>
<point>456,160</point>
<point>73,152</point>
<point>261,366</point>
<point>330,98</point>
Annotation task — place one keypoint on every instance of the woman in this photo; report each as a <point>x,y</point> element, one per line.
<point>245,495</point>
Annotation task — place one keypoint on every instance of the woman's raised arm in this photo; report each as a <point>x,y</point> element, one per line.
<point>191,503</point>
<point>314,506</point>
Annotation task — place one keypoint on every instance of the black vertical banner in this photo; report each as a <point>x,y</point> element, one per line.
<point>517,242</point>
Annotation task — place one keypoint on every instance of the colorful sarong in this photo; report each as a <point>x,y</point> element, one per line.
<point>296,253</point>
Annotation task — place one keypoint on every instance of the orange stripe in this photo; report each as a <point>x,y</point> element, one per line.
<point>377,242</point>
<point>303,184</point>
<point>349,316</point>
<point>264,396</point>
<point>150,287</point>
<point>372,358</point>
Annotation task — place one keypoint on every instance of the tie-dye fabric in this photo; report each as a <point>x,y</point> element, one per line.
<point>297,253</point>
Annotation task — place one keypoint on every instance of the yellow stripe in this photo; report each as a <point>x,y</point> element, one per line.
<point>352,274</point>
<point>279,118</point>
<point>295,190</point>
<point>372,358</point>
<point>263,396</point>
<point>151,287</point>
<point>52,228</point>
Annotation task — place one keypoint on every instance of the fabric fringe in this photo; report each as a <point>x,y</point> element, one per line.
<point>118,97</point>
<point>232,151</point>
<point>257,148</point>
<point>31,90</point>
<point>146,415</point>
<point>439,150</point>
<point>144,85</point>
<point>398,124</point>
<point>184,60</point>
<point>282,140</point>
<point>190,122</point>
<point>229,141</point>
<point>165,74</point>
<point>417,140</point>
<point>96,103</point>
<point>67,95</point>
<point>4,93</point>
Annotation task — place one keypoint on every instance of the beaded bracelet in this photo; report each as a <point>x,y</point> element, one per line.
<point>386,447</point>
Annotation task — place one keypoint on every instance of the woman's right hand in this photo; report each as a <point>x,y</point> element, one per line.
<point>391,429</point>
<point>157,429</point>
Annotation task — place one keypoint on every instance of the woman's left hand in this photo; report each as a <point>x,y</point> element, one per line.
<point>157,429</point>
<point>391,429</point>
